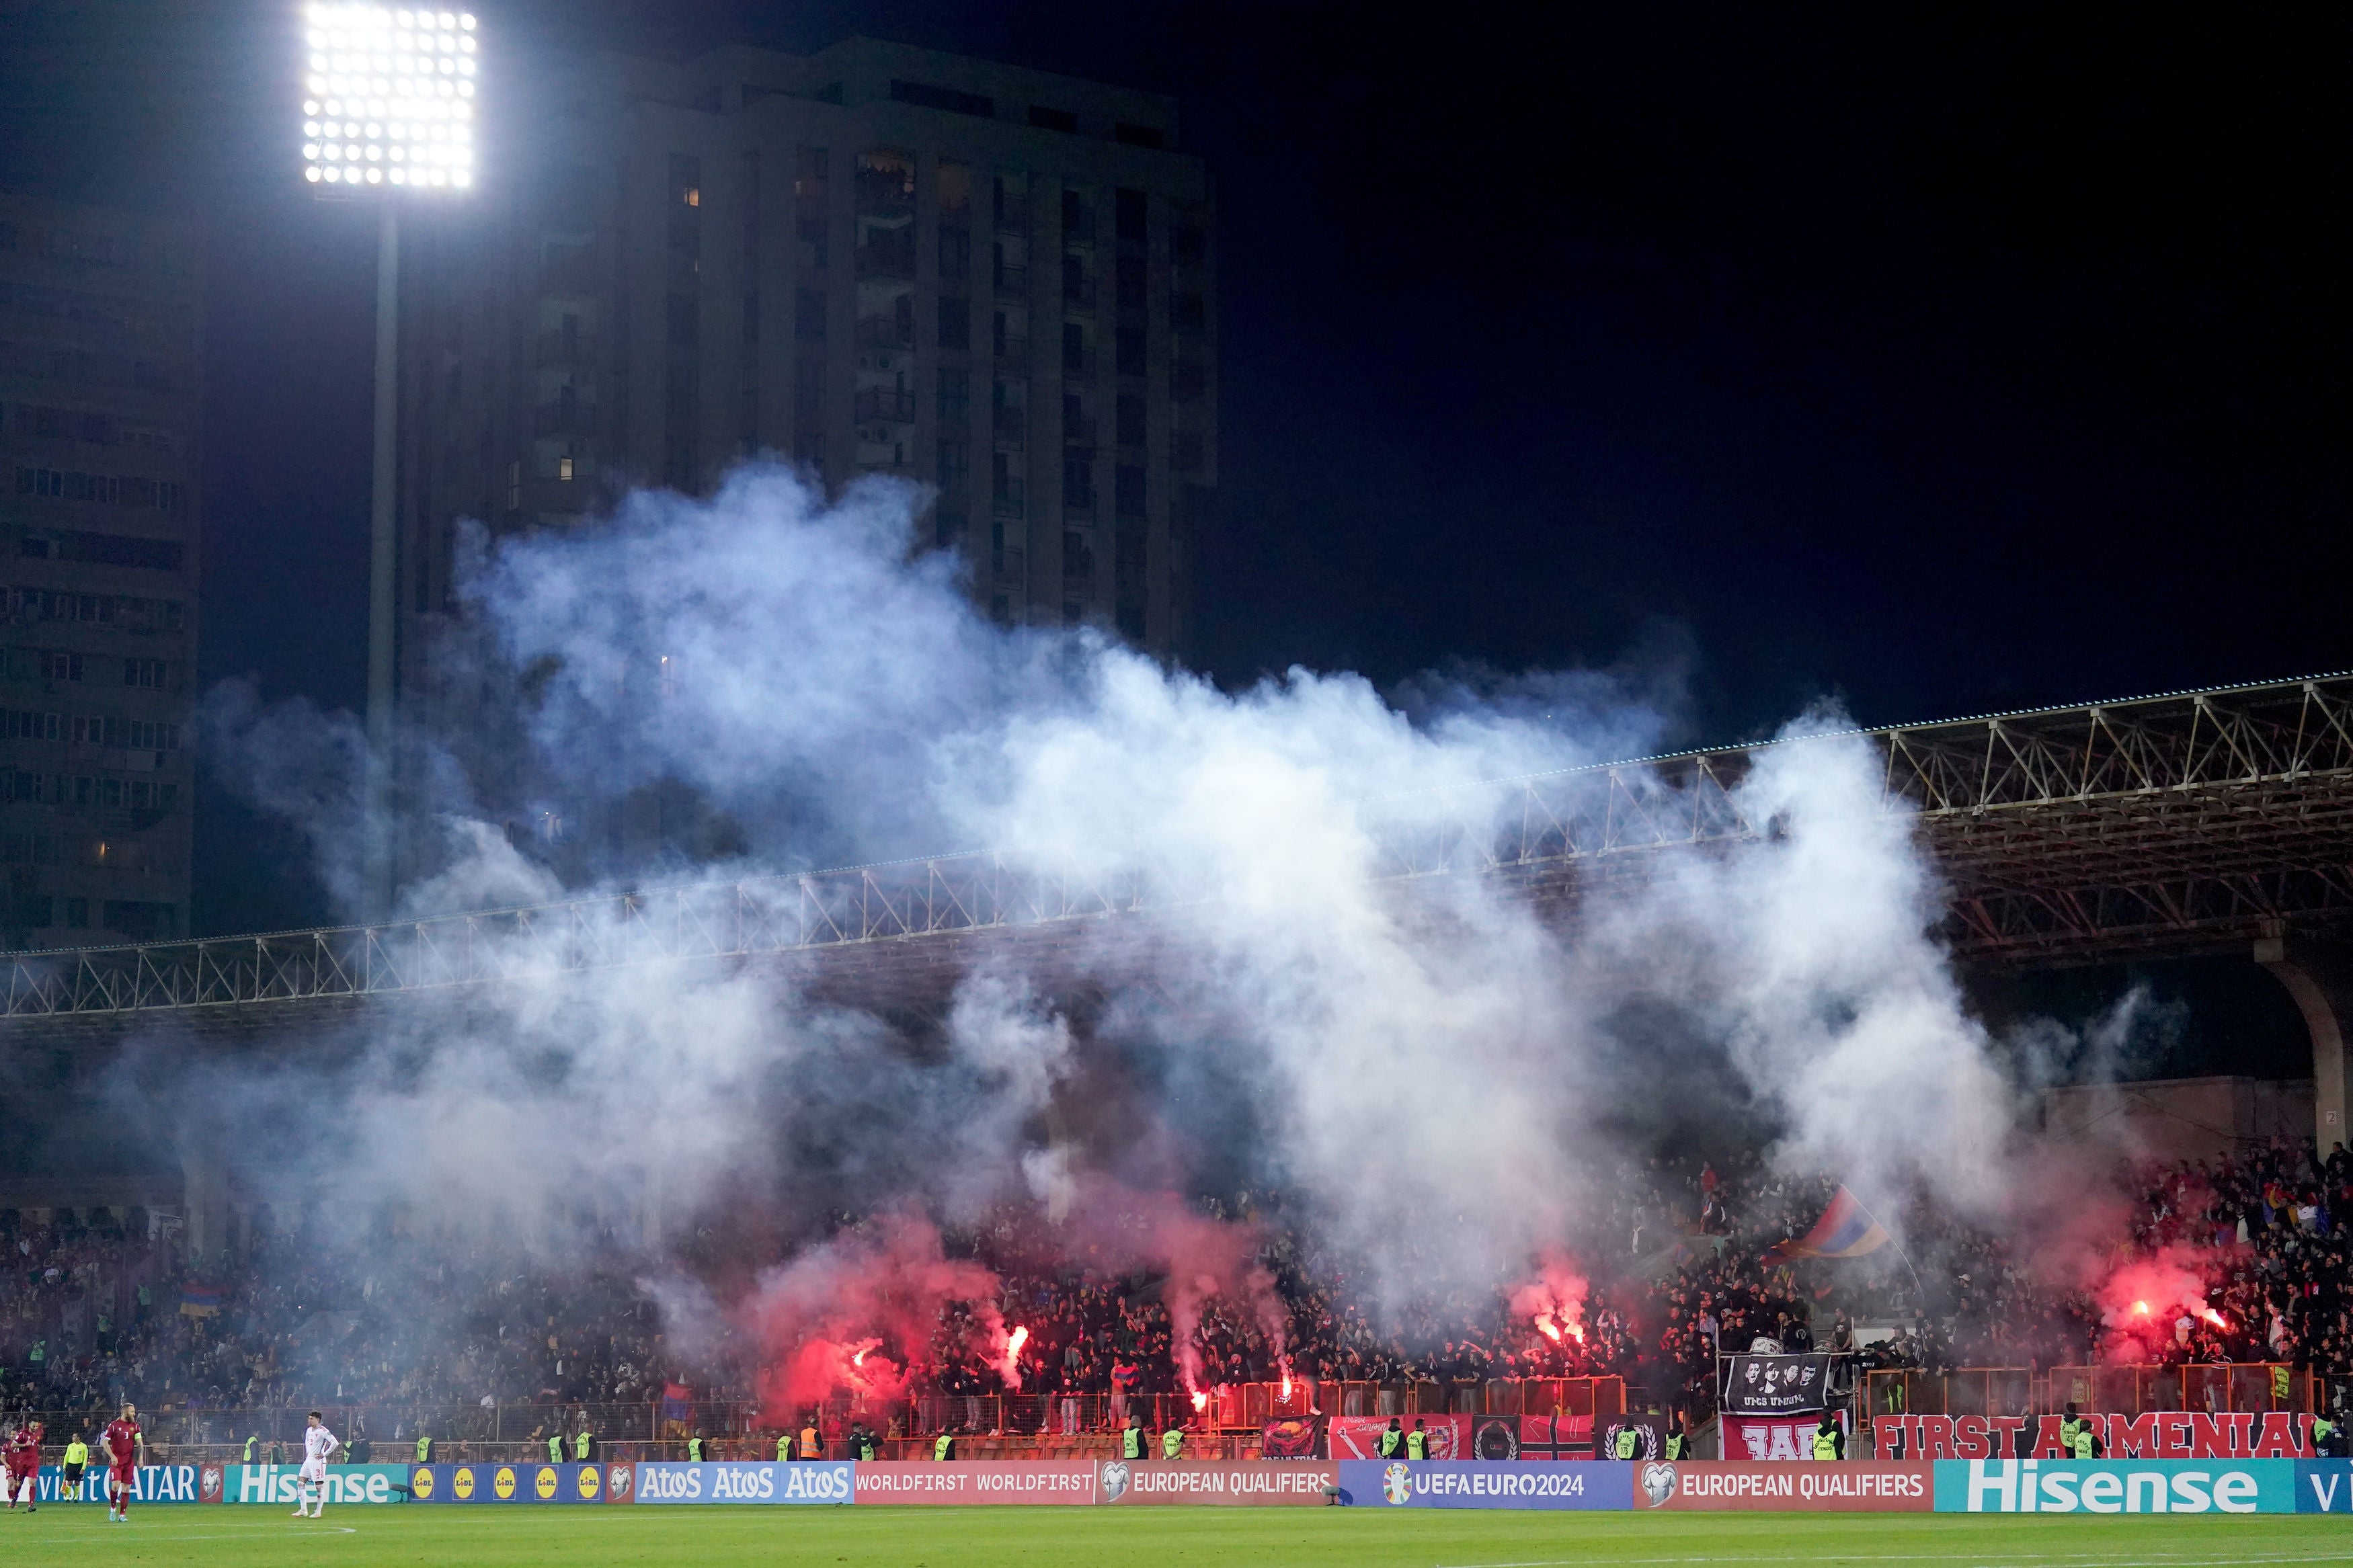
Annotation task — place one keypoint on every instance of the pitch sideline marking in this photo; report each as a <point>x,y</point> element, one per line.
<point>2000,1561</point>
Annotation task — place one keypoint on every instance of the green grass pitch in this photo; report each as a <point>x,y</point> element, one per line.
<point>1051,1537</point>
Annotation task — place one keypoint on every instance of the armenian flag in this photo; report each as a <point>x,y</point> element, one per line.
<point>198,1300</point>
<point>1845,1230</point>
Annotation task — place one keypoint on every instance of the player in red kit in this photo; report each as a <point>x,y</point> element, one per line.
<point>122,1443</point>
<point>24,1466</point>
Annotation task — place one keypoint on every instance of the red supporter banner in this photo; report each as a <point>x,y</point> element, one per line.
<point>1301,1483</point>
<point>2158,1434</point>
<point>1359,1436</point>
<point>1288,1439</point>
<point>1780,1488</point>
<point>1773,1438</point>
<point>1027,1482</point>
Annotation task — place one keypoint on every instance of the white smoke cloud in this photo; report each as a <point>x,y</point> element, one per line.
<point>1428,1064</point>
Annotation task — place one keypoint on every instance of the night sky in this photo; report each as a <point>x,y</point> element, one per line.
<point>1936,363</point>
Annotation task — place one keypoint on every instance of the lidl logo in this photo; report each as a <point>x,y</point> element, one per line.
<point>502,1484</point>
<point>544,1483</point>
<point>422,1485</point>
<point>461,1482</point>
<point>588,1485</point>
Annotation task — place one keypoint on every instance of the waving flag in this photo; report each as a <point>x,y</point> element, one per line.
<point>1845,1230</point>
<point>198,1300</point>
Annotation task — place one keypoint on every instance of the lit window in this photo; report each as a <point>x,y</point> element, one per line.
<point>564,467</point>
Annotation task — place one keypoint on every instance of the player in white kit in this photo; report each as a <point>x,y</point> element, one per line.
<point>318,1442</point>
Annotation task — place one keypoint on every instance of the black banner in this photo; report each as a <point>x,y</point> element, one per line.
<point>1775,1385</point>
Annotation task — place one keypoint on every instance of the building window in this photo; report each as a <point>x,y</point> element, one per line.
<point>808,315</point>
<point>1127,489</point>
<point>955,397</point>
<point>148,672</point>
<point>1046,119</point>
<point>1130,350</point>
<point>1130,417</point>
<point>1138,135</point>
<point>1128,211</point>
<point>563,469</point>
<point>955,464</point>
<point>956,322</point>
<point>1075,349</point>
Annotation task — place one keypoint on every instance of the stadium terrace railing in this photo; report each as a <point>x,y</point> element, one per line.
<point>2183,821</point>
<point>1037,1425</point>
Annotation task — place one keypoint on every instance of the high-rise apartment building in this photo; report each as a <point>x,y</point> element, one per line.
<point>101,405</point>
<point>999,281</point>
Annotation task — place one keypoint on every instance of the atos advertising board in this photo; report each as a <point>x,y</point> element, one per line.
<point>2116,1486</point>
<point>1558,1484</point>
<point>740,1481</point>
<point>1784,1487</point>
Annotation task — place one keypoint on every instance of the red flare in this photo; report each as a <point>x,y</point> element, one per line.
<point>1545,1327</point>
<point>2142,1308</point>
<point>1201,1400</point>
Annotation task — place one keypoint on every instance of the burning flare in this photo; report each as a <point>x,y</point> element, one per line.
<point>1009,1364</point>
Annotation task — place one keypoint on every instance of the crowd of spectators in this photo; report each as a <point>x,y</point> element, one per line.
<point>97,1307</point>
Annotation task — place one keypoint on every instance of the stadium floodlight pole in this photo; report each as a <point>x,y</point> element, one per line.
<point>388,113</point>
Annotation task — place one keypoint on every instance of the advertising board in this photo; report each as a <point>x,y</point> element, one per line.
<point>151,1484</point>
<point>1785,1488</point>
<point>566,1483</point>
<point>2324,1486</point>
<point>1554,1484</point>
<point>1267,1482</point>
<point>2116,1486</point>
<point>737,1482</point>
<point>984,1481</point>
<point>345,1484</point>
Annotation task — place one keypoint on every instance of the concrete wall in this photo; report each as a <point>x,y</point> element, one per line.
<point>2181,1117</point>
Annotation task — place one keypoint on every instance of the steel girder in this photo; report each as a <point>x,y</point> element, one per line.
<point>2175,823</point>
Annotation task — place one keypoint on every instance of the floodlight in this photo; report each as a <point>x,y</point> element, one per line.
<point>377,78</point>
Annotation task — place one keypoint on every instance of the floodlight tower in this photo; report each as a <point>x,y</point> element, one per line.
<point>389,105</point>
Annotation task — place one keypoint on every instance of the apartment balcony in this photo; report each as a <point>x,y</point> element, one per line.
<point>1013,217</point>
<point>1012,277</point>
<point>1079,432</point>
<point>556,346</point>
<point>886,404</point>
<point>1077,362</point>
<point>568,272</point>
<point>890,257</point>
<point>1014,349</point>
<point>885,332</point>
<point>1079,293</point>
<point>1010,425</point>
<point>564,419</point>
<point>1008,500</point>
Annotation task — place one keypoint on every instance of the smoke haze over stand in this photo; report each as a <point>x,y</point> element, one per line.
<point>1414,1068</point>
